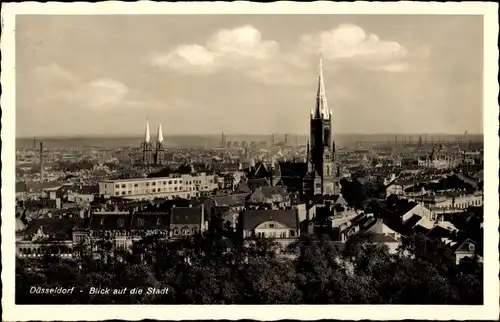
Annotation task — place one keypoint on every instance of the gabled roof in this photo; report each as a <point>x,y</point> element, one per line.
<point>438,232</point>
<point>465,246</point>
<point>254,217</point>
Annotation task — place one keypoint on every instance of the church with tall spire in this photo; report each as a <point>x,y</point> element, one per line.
<point>322,177</point>
<point>160,151</point>
<point>147,148</point>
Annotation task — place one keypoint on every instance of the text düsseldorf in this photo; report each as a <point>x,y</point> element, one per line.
<point>51,290</point>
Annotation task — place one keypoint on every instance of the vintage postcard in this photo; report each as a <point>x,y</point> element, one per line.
<point>259,158</point>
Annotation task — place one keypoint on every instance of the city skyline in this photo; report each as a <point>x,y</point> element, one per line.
<point>197,81</point>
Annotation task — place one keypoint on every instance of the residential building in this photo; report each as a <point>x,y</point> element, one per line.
<point>281,225</point>
<point>187,221</point>
<point>174,186</point>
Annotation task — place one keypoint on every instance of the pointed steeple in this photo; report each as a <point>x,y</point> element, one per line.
<point>322,110</point>
<point>160,134</point>
<point>147,137</point>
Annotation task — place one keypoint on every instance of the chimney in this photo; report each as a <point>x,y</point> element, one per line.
<point>41,165</point>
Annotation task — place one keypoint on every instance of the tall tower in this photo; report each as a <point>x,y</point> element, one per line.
<point>41,165</point>
<point>160,152</point>
<point>322,154</point>
<point>147,151</point>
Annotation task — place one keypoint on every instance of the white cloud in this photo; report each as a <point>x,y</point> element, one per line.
<point>348,41</point>
<point>227,48</point>
<point>244,41</point>
<point>53,82</point>
<point>245,50</point>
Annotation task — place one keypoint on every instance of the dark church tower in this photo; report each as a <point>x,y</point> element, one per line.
<point>147,150</point>
<point>160,151</point>
<point>322,154</point>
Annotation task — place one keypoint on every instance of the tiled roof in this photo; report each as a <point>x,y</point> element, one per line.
<point>253,218</point>
<point>186,215</point>
<point>110,221</point>
<point>231,200</point>
<point>150,221</point>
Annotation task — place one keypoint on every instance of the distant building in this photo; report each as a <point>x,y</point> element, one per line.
<point>174,186</point>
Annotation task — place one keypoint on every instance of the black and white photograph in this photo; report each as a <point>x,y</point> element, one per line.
<point>260,158</point>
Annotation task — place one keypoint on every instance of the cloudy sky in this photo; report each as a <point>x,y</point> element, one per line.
<point>256,74</point>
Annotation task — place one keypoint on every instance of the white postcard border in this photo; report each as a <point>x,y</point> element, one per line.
<point>490,309</point>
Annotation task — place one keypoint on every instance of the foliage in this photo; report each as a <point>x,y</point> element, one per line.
<point>210,268</point>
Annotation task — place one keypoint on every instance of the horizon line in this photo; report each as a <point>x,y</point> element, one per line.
<point>86,136</point>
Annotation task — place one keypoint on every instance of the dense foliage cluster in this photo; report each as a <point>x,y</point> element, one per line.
<point>210,269</point>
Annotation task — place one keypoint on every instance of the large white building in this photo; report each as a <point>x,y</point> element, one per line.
<point>174,186</point>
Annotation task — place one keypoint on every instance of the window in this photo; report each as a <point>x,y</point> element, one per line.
<point>117,186</point>
<point>153,183</point>
<point>117,193</point>
<point>271,225</point>
<point>124,186</point>
<point>123,193</point>
<point>292,233</point>
<point>176,231</point>
<point>130,192</point>
<point>136,185</point>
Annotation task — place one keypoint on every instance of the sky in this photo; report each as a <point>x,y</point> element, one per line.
<point>247,74</point>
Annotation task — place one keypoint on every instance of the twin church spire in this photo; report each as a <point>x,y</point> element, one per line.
<point>147,136</point>
<point>147,149</point>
